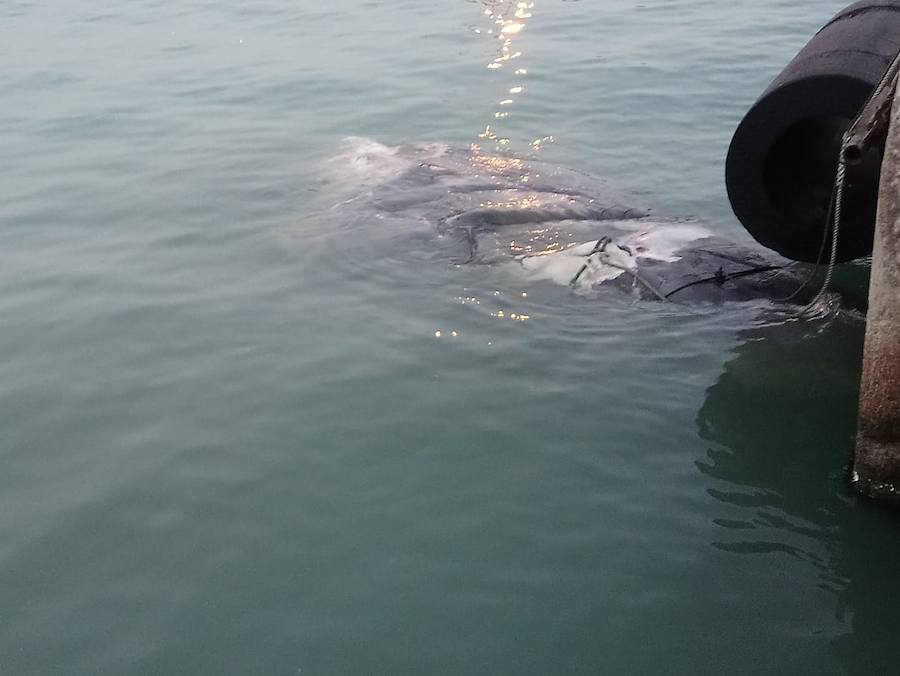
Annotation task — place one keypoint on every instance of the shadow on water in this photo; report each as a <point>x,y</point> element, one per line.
<point>780,421</point>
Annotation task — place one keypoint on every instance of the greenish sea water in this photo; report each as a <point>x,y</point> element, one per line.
<point>231,442</point>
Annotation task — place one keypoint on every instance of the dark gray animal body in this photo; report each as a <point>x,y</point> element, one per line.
<point>493,208</point>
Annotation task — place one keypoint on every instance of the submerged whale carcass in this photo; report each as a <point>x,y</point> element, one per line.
<point>558,224</point>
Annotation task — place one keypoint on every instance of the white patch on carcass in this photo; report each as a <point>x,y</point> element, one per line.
<point>660,240</point>
<point>563,266</point>
<point>653,240</point>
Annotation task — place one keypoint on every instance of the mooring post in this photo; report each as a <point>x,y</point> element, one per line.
<point>876,469</point>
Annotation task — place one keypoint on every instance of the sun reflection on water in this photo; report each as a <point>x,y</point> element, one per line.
<point>509,19</point>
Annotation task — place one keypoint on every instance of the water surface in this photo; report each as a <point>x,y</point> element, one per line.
<point>232,443</point>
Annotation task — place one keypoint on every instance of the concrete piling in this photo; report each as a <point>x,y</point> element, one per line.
<point>876,468</point>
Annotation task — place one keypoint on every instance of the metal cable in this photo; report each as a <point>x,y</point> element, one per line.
<point>835,233</point>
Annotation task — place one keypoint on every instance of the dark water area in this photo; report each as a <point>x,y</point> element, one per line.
<point>240,434</point>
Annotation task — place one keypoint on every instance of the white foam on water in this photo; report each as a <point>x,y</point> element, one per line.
<point>374,162</point>
<point>430,150</point>
<point>366,161</point>
<point>363,163</point>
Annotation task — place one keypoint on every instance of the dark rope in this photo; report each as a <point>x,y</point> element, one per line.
<point>721,277</point>
<point>599,246</point>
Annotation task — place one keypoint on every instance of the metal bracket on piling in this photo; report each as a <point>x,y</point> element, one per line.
<point>871,124</point>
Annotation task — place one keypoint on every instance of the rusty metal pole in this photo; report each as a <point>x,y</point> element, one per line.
<point>876,469</point>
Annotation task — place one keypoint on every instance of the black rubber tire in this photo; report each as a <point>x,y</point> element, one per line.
<point>782,160</point>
